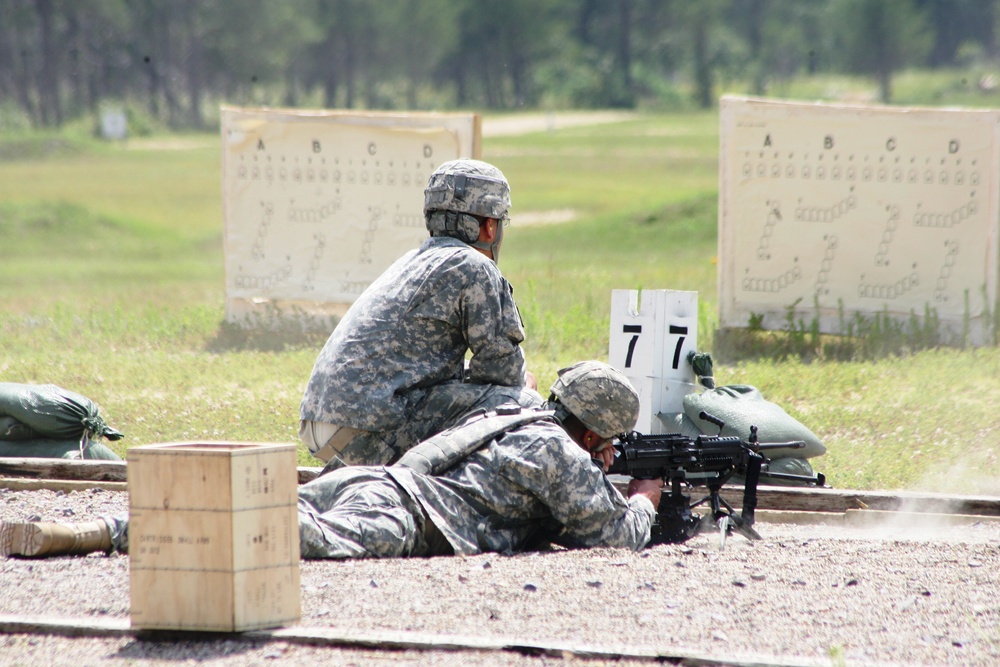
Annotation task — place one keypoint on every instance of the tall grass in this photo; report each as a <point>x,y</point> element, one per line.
<point>111,284</point>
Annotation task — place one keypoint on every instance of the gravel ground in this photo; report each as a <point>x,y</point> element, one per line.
<point>805,594</point>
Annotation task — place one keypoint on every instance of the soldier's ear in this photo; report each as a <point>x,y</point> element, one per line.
<point>488,230</point>
<point>590,440</point>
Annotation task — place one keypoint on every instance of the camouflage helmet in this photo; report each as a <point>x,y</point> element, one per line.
<point>459,190</point>
<point>599,396</point>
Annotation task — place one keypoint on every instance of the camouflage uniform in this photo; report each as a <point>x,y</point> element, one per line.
<point>506,481</point>
<point>531,483</point>
<point>394,366</point>
<point>530,486</point>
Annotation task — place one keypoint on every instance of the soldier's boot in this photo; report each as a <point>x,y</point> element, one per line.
<point>38,539</point>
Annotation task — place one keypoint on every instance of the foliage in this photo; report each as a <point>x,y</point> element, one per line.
<point>860,338</point>
<point>878,37</point>
<point>174,63</point>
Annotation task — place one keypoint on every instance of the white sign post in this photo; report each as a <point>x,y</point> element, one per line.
<point>652,333</point>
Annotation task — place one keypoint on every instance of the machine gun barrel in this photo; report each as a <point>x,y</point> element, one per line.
<point>793,444</point>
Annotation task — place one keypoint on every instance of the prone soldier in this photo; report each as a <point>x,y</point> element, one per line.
<point>506,481</point>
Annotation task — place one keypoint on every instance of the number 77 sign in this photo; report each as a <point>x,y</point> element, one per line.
<point>652,333</point>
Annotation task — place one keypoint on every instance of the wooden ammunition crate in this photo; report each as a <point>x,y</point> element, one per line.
<point>213,536</point>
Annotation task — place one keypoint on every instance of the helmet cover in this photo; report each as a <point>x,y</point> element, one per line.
<point>468,186</point>
<point>600,396</point>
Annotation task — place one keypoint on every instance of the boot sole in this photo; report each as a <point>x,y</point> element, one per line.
<point>20,539</point>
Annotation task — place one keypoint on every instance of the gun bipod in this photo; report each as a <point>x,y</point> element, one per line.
<point>725,519</point>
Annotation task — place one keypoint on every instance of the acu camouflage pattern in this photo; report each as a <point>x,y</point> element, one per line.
<point>598,395</point>
<point>461,189</point>
<point>531,485</point>
<point>458,225</point>
<point>118,527</point>
<point>468,186</point>
<point>429,411</point>
<point>359,513</point>
<point>373,517</point>
<point>439,452</point>
<point>410,330</point>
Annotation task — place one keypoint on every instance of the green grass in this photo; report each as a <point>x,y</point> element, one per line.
<point>977,86</point>
<point>111,281</point>
<point>645,196</point>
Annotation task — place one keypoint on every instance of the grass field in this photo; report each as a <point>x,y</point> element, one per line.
<point>111,279</point>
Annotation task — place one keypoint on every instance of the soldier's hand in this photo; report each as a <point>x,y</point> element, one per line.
<point>600,449</point>
<point>651,488</point>
<point>606,456</point>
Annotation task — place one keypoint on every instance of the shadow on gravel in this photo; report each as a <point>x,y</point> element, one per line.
<point>184,646</point>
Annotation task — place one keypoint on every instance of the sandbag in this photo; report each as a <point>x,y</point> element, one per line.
<point>678,422</point>
<point>12,430</point>
<point>96,451</point>
<point>53,412</point>
<point>789,465</point>
<point>49,448</point>
<point>741,406</point>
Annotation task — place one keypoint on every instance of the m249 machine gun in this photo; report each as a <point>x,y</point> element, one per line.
<point>706,460</point>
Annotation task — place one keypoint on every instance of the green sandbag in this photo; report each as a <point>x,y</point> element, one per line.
<point>12,430</point>
<point>97,451</point>
<point>788,465</point>
<point>53,412</point>
<point>678,422</point>
<point>49,448</point>
<point>741,406</point>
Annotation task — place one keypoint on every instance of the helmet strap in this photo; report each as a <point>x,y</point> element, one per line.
<point>561,413</point>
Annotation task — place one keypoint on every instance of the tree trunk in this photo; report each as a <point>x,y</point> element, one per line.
<point>193,70</point>
<point>350,57</point>
<point>329,69</point>
<point>624,59</point>
<point>195,85</point>
<point>755,42</point>
<point>168,70</point>
<point>885,83</point>
<point>48,82</point>
<point>77,61</point>
<point>15,68</point>
<point>702,67</point>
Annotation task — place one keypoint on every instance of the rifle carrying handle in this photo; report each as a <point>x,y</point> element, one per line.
<point>712,419</point>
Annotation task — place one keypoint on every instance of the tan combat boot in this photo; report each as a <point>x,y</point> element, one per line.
<point>38,539</point>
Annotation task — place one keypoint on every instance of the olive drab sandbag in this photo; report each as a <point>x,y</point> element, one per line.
<point>12,430</point>
<point>46,421</point>
<point>741,406</point>
<point>678,422</point>
<point>48,448</point>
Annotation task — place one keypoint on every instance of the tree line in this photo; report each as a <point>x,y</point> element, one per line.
<point>64,59</point>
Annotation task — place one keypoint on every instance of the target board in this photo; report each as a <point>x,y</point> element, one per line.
<point>317,204</point>
<point>840,211</point>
